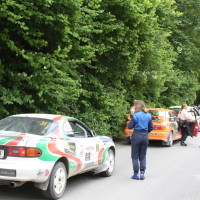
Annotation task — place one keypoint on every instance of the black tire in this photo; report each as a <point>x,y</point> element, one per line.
<point>110,158</point>
<point>128,140</point>
<point>57,182</point>
<point>169,142</point>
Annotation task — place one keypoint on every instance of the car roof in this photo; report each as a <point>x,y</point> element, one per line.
<point>189,107</point>
<point>175,107</point>
<point>158,109</point>
<point>39,115</point>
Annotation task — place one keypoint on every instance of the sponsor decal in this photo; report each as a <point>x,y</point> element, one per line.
<point>70,148</point>
<point>87,156</point>
<point>97,147</point>
<point>105,139</point>
<point>46,172</point>
<point>88,165</point>
<point>90,148</point>
<point>40,172</point>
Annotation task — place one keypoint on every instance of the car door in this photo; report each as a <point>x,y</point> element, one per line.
<point>194,126</point>
<point>86,145</point>
<point>197,125</point>
<point>173,122</point>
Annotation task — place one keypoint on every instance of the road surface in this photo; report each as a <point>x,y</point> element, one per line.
<point>173,173</point>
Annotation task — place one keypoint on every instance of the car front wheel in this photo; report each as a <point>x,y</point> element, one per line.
<point>110,158</point>
<point>57,182</point>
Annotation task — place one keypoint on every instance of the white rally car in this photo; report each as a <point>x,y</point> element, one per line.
<point>48,149</point>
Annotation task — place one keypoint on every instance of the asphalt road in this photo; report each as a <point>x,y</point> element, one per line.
<point>173,173</point>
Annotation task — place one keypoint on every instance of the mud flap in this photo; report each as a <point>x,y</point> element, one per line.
<point>42,186</point>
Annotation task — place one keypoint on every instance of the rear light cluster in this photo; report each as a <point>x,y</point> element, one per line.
<point>158,127</point>
<point>23,152</point>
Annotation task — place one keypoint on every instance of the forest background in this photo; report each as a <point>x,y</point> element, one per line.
<point>91,58</point>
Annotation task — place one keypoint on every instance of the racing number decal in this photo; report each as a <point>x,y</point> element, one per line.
<point>43,123</point>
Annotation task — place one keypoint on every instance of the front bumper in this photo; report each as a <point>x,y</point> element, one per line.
<point>25,169</point>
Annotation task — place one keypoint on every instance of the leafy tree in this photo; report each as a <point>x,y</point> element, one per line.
<point>185,84</point>
<point>91,58</point>
<point>155,63</point>
<point>35,41</point>
<point>123,52</point>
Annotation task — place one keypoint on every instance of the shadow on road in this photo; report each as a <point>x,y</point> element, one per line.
<point>29,192</point>
<point>152,143</point>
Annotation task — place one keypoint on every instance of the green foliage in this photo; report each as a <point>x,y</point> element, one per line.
<point>91,58</point>
<point>187,44</point>
<point>35,40</point>
<point>155,63</point>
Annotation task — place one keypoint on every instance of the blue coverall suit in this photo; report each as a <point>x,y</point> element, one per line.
<point>142,124</point>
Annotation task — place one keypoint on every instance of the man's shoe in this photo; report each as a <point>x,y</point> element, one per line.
<point>135,176</point>
<point>142,177</point>
<point>183,144</point>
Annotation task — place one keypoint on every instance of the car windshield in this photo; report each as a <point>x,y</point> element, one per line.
<point>36,126</point>
<point>156,113</point>
<point>177,110</point>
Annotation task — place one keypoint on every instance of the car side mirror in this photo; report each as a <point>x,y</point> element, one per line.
<point>70,134</point>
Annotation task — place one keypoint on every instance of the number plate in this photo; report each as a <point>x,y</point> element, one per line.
<point>7,172</point>
<point>1,153</point>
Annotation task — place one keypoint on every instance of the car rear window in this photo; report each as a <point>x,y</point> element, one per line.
<point>156,115</point>
<point>36,126</point>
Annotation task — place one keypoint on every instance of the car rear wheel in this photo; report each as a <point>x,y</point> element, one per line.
<point>169,142</point>
<point>57,182</point>
<point>110,158</point>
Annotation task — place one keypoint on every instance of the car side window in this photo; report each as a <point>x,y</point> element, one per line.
<point>67,129</point>
<point>77,129</point>
<point>173,117</point>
